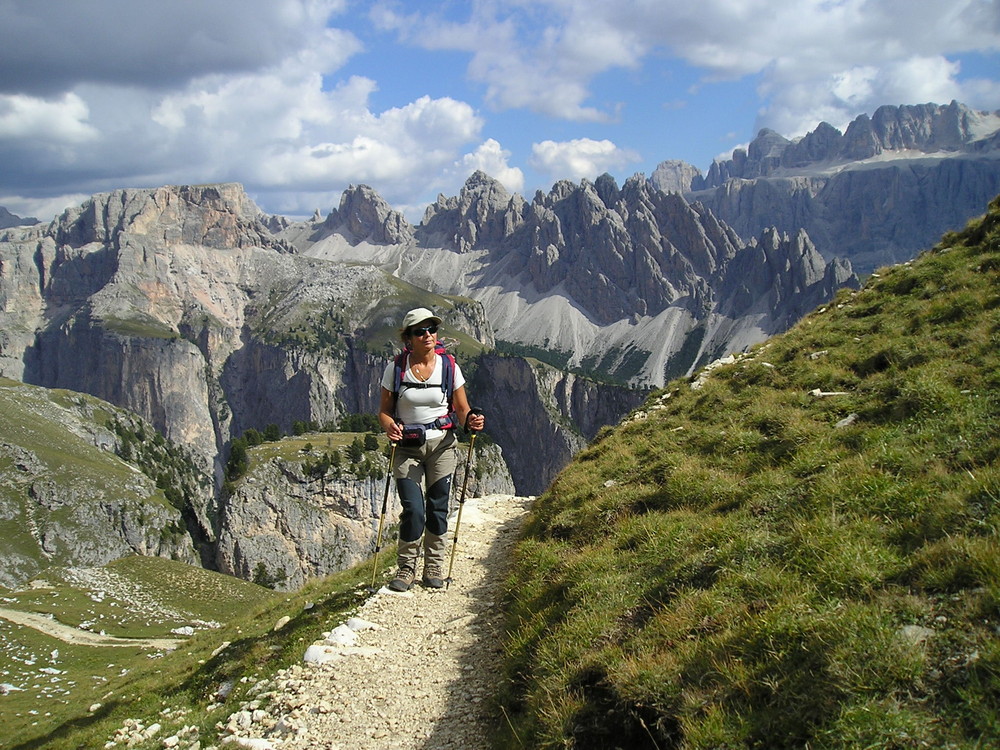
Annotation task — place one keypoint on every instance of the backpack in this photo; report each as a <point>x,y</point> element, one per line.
<point>447,381</point>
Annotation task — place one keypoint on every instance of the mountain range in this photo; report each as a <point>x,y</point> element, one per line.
<point>887,186</point>
<point>191,308</point>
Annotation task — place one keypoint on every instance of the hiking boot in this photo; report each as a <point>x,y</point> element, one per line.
<point>434,552</point>
<point>406,560</point>
<point>402,580</point>
<point>432,578</point>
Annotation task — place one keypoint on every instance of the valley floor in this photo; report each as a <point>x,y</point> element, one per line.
<point>422,677</point>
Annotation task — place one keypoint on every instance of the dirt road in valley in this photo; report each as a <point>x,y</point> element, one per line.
<point>68,634</point>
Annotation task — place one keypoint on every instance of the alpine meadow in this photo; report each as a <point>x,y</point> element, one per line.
<point>796,549</point>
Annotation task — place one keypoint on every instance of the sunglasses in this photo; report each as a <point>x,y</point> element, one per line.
<point>422,331</point>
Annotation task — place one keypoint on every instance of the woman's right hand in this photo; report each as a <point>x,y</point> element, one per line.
<point>394,432</point>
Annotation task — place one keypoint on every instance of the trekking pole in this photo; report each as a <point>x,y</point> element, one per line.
<point>461,501</point>
<point>381,520</point>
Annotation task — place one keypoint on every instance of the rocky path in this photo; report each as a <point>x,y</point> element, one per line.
<point>413,670</point>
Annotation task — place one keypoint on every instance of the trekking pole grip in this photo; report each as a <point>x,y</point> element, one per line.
<point>472,411</point>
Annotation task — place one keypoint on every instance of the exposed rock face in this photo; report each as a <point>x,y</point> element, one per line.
<point>675,176</point>
<point>593,271</point>
<point>619,253</point>
<point>762,280</point>
<point>544,416</point>
<point>924,128</point>
<point>283,526</point>
<point>482,214</point>
<point>364,216</point>
<point>180,305</point>
<point>215,216</point>
<point>877,194</point>
<point>7,219</point>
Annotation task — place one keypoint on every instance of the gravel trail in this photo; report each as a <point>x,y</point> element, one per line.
<point>417,670</point>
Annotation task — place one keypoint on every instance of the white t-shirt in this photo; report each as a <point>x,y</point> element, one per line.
<point>421,405</point>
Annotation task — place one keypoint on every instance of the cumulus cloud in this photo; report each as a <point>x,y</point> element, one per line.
<point>63,120</point>
<point>275,93</point>
<point>522,65</point>
<point>839,57</point>
<point>493,159</point>
<point>579,158</point>
<point>249,100</point>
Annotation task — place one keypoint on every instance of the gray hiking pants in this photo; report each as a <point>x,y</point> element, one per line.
<point>423,480</point>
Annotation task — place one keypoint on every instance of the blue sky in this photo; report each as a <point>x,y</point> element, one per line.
<point>297,99</point>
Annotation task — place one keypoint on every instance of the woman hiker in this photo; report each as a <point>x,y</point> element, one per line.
<point>423,404</point>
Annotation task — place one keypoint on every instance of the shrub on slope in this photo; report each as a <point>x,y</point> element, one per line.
<point>800,552</point>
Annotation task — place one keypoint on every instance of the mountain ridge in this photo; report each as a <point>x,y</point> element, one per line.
<point>876,194</point>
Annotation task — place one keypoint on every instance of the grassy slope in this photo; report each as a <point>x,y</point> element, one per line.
<point>737,570</point>
<point>36,419</point>
<point>133,597</point>
<point>176,689</point>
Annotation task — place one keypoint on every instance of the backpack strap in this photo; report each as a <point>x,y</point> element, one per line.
<point>447,376</point>
<point>447,373</point>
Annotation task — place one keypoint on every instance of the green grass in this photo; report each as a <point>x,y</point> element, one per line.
<point>735,570</point>
<point>52,474</point>
<point>174,688</point>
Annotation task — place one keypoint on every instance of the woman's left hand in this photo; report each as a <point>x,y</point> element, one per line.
<point>475,421</point>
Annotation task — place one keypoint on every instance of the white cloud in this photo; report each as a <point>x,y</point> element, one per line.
<point>266,93</point>
<point>579,158</point>
<point>59,121</point>
<point>147,42</point>
<point>492,159</point>
<point>276,128</point>
<point>839,55</point>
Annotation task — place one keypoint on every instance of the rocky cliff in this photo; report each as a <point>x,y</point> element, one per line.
<point>286,522</point>
<point>876,194</point>
<point>190,308</point>
<point>542,415</point>
<point>7,219</point>
<point>181,305</point>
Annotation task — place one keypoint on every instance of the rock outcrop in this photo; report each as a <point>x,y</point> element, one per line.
<point>543,416</point>
<point>924,128</point>
<point>182,305</point>
<point>284,524</point>
<point>7,219</point>
<point>674,176</point>
<point>69,499</point>
<point>593,273</point>
<point>363,216</point>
